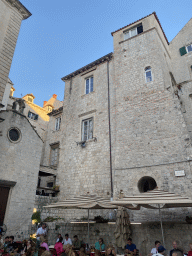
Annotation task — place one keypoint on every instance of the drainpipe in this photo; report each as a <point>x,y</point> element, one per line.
<point>110,154</point>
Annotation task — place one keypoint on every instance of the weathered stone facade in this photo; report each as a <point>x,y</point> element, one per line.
<point>12,13</point>
<point>149,133</point>
<point>20,160</point>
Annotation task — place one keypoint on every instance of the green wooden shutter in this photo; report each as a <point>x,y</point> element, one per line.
<point>182,50</point>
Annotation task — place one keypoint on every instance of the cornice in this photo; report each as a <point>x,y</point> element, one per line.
<point>21,8</point>
<point>107,57</point>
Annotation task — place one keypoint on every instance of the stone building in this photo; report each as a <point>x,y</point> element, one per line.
<point>124,124</point>
<point>20,154</point>
<point>12,12</point>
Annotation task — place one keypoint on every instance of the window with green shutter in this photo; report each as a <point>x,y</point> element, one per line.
<point>182,50</point>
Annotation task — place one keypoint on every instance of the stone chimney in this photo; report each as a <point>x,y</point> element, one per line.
<point>55,96</point>
<point>44,102</point>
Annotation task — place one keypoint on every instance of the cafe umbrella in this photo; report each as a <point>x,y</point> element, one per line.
<point>122,231</point>
<point>154,199</point>
<point>84,202</point>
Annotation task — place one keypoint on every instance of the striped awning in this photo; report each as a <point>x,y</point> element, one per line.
<point>84,202</point>
<point>153,199</point>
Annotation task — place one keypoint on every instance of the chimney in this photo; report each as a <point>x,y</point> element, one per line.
<point>55,96</point>
<point>44,102</point>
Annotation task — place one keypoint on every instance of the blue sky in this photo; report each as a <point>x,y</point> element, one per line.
<point>62,36</point>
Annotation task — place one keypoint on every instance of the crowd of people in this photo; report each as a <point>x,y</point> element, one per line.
<point>67,247</point>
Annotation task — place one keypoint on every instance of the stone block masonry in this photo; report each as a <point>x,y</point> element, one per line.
<point>143,235</point>
<point>11,15</point>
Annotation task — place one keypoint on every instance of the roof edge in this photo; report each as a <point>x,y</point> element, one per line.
<point>17,112</point>
<point>56,111</point>
<point>20,7</point>
<point>90,65</point>
<point>153,13</point>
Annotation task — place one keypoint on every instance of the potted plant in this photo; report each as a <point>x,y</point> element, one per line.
<point>56,187</point>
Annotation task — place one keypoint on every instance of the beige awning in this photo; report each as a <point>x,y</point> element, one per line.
<point>84,202</point>
<point>153,199</point>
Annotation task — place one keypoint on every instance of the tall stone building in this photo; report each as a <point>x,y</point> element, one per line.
<point>126,121</point>
<point>12,12</point>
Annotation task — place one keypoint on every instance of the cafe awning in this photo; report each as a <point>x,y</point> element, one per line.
<point>153,199</point>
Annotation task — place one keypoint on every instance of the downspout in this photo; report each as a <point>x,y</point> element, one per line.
<point>110,154</point>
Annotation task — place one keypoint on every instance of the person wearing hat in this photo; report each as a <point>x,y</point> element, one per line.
<point>161,251</point>
<point>52,250</point>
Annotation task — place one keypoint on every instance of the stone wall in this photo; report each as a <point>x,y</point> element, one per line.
<point>143,235</point>
<point>20,162</point>
<point>10,20</point>
<point>148,129</point>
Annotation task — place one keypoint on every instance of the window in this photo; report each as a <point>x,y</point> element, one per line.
<point>57,123</point>
<point>14,135</point>
<point>148,74</point>
<point>54,154</point>
<point>89,85</point>
<point>30,99</point>
<point>133,32</point>
<point>49,108</point>
<point>50,184</point>
<point>32,116</point>
<point>87,129</point>
<point>183,50</point>
<point>189,48</point>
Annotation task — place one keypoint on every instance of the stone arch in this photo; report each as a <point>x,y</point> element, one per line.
<point>146,183</point>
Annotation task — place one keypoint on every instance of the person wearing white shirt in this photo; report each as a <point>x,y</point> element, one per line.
<point>67,240</point>
<point>42,231</point>
<point>161,251</point>
<point>155,250</point>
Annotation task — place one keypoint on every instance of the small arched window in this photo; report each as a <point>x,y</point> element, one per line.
<point>148,74</point>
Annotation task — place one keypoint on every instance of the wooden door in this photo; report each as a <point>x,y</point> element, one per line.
<point>4,193</point>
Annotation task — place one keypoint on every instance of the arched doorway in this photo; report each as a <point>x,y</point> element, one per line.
<point>146,183</point>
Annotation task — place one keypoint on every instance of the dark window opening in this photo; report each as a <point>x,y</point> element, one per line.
<point>50,184</point>
<point>14,134</point>
<point>146,184</point>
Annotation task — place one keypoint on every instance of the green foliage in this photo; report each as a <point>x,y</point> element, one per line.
<point>51,219</point>
<point>36,217</point>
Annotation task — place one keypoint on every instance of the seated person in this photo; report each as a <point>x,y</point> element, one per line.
<point>67,240</point>
<point>82,251</point>
<point>6,242</point>
<point>190,252</point>
<point>110,251</point>
<point>44,243</point>
<point>155,249</point>
<point>58,238</point>
<point>12,247</point>
<point>59,247</point>
<point>100,245</point>
<point>76,243</point>
<point>130,248</point>
<point>52,250</point>
<point>68,250</point>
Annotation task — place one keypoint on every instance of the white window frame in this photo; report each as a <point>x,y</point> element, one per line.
<point>54,156</point>
<point>57,123</point>
<point>148,69</point>
<point>89,89</point>
<point>89,134</point>
<point>129,33</point>
<point>187,48</point>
